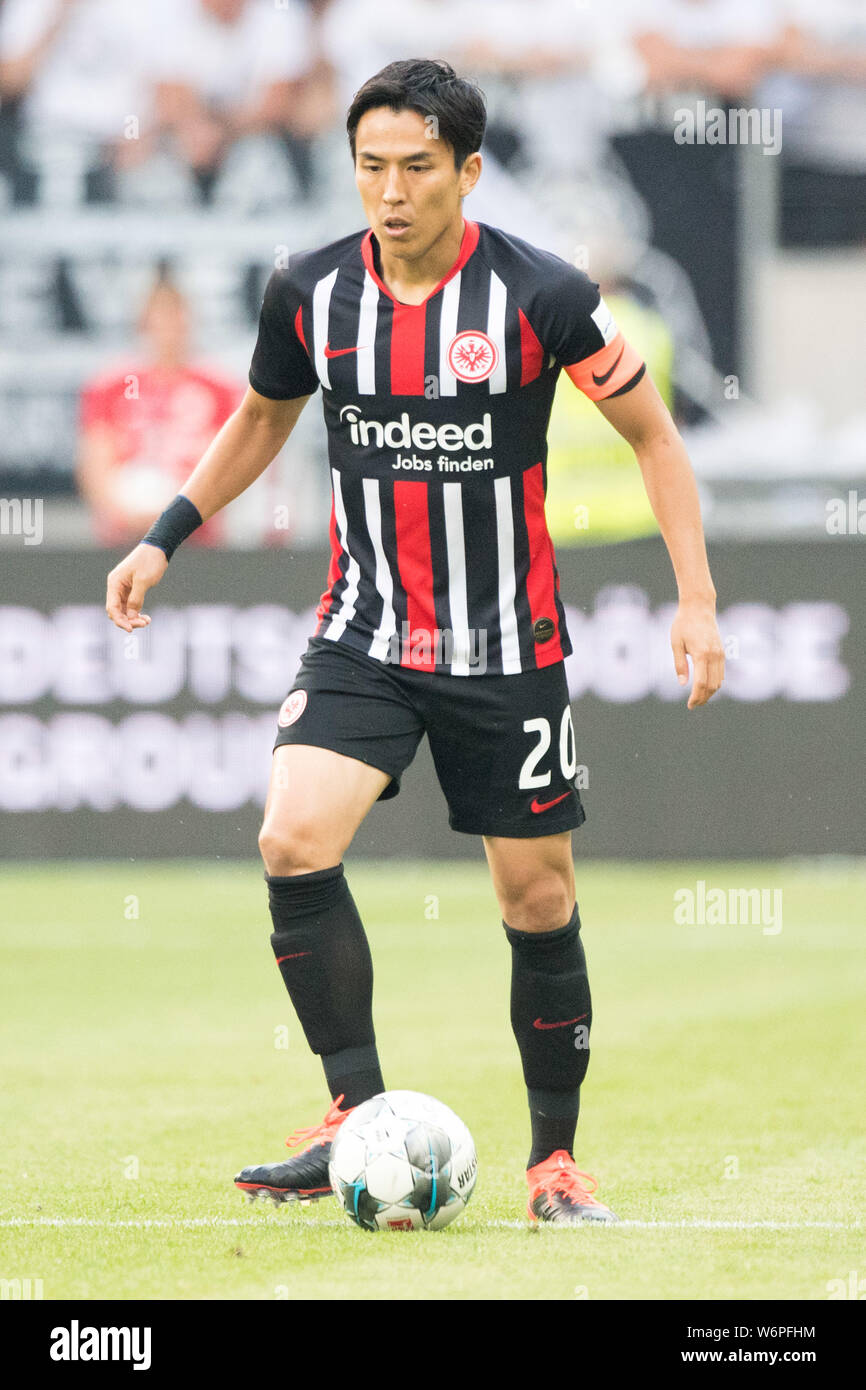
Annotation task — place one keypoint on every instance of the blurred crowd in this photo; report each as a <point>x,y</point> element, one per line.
<point>219,108</point>
<point>97,89</point>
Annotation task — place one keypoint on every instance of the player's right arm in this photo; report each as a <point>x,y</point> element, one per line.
<point>248,442</point>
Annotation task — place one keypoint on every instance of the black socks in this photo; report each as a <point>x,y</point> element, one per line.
<point>322,952</point>
<point>553,1115</point>
<point>551,1014</point>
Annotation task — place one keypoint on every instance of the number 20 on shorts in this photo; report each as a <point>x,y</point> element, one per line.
<point>530,778</point>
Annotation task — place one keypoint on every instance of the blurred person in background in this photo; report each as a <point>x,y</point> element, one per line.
<point>717,47</point>
<point>144,427</point>
<point>693,51</point>
<point>548,106</point>
<point>518,48</point>
<point>556,73</point>
<point>72,75</point>
<point>595,491</point>
<point>316,110</point>
<point>234,68</point>
<point>808,60</point>
<point>821,83</point>
<point>359,34</point>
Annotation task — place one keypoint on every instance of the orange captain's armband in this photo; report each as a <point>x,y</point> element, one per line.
<point>607,371</point>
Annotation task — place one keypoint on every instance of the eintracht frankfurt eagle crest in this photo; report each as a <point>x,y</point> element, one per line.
<point>472,356</point>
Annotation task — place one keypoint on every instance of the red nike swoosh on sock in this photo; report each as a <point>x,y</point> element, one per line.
<point>293,956</point>
<point>546,805</point>
<point>564,1024</point>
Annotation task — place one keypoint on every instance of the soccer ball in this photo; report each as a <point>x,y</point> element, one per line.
<point>403,1162</point>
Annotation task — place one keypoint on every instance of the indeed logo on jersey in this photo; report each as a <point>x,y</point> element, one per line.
<point>401,434</point>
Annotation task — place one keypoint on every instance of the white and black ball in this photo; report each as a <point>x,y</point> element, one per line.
<point>403,1161</point>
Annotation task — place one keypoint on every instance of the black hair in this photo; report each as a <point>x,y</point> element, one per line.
<point>431,87</point>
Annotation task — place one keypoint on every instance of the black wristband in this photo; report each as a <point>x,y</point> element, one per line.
<point>178,521</point>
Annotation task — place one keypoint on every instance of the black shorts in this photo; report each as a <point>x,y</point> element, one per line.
<point>503,746</point>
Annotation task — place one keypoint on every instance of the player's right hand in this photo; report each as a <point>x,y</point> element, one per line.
<point>128,583</point>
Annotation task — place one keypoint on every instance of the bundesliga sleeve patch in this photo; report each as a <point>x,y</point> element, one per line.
<point>604,322</point>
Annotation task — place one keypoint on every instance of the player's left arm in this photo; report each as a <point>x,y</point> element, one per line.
<point>642,418</point>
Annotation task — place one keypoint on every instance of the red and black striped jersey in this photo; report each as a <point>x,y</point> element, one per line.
<point>437,417</point>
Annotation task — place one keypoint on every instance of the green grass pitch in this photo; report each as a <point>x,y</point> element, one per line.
<point>148,1052</point>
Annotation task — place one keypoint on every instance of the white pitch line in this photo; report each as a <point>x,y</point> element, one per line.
<point>699,1225</point>
<point>206,1222</point>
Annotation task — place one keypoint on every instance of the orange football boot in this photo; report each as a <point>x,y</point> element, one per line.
<point>559,1193</point>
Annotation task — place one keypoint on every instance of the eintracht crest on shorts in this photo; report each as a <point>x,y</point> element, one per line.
<point>437,418</point>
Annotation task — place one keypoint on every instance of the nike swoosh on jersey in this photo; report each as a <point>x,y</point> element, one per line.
<point>600,380</point>
<point>339,352</point>
<point>537,806</point>
<point>564,1024</point>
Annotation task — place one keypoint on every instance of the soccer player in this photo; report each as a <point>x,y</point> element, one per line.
<point>437,343</point>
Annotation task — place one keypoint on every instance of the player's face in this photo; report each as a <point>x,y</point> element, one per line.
<point>406,177</point>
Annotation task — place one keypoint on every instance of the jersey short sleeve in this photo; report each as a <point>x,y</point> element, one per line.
<point>578,328</point>
<point>280,367</point>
